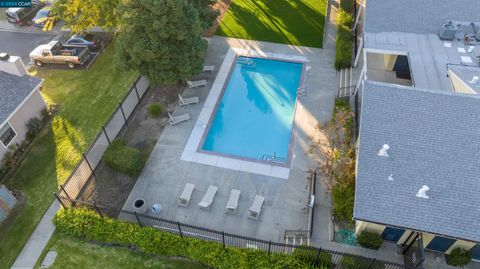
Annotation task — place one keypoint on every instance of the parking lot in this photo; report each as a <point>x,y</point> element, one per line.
<point>20,43</point>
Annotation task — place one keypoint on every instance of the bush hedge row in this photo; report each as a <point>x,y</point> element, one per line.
<point>90,226</point>
<point>345,38</point>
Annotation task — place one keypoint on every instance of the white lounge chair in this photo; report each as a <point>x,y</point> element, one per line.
<point>208,68</point>
<point>196,83</point>
<point>177,119</point>
<point>184,198</point>
<point>256,207</point>
<point>188,100</point>
<point>208,197</point>
<point>232,203</point>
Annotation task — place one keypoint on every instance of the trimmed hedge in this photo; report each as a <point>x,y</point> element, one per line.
<point>370,240</point>
<point>123,158</point>
<point>345,38</point>
<point>355,262</point>
<point>309,255</point>
<point>88,225</point>
<point>459,257</point>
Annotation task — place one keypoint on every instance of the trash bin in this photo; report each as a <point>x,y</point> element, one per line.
<point>139,206</point>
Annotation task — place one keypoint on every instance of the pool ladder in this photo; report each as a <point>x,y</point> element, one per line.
<point>246,62</point>
<point>302,91</point>
<point>273,158</point>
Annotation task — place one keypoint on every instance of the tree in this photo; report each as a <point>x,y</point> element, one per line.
<point>82,15</point>
<point>206,13</point>
<point>160,39</point>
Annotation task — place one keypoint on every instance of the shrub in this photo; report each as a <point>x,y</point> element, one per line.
<point>343,196</point>
<point>347,5</point>
<point>459,257</point>
<point>345,38</point>
<point>34,126</point>
<point>309,255</point>
<point>155,109</point>
<point>356,262</point>
<point>370,240</point>
<point>123,158</point>
<point>88,225</point>
<point>344,52</point>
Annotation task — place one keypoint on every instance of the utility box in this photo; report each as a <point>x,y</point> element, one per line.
<point>7,202</point>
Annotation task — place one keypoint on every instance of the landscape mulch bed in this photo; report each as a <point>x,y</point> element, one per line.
<point>111,188</point>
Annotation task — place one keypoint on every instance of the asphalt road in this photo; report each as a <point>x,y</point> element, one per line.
<point>21,44</point>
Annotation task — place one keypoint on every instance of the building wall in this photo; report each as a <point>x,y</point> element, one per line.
<point>30,108</point>
<point>427,238</point>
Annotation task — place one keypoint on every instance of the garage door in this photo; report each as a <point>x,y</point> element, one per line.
<point>392,234</point>
<point>440,244</point>
<point>476,252</point>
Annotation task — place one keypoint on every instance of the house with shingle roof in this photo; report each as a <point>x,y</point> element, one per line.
<point>418,159</point>
<point>20,101</point>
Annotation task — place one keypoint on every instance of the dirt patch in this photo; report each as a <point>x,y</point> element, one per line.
<point>222,6</point>
<point>111,188</point>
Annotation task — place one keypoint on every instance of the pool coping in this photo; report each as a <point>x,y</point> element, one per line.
<point>193,152</point>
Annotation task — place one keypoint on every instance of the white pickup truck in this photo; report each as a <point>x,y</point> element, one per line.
<point>55,52</point>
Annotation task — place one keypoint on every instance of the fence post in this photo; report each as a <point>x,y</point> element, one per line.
<point>269,246</point>
<point>371,264</point>
<point>97,209</point>
<point>88,163</point>
<point>123,113</point>
<point>138,219</point>
<point>136,91</point>
<point>223,238</point>
<point>60,200</point>
<point>68,196</point>
<point>106,135</point>
<point>180,229</point>
<point>318,255</point>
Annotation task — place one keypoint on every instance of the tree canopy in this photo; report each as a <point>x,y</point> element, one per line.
<point>82,15</point>
<point>160,39</point>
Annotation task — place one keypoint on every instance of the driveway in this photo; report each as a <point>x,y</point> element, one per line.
<point>21,44</point>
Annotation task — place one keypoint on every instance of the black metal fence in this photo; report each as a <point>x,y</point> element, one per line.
<point>79,181</point>
<point>317,256</point>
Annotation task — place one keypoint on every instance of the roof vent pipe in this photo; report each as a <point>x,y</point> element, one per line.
<point>422,193</point>
<point>474,80</point>
<point>383,152</point>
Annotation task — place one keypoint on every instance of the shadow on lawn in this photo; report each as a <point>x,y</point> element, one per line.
<point>290,22</point>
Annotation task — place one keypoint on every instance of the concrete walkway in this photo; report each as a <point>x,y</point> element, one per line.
<point>38,240</point>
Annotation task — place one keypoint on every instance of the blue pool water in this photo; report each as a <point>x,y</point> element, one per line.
<point>255,116</point>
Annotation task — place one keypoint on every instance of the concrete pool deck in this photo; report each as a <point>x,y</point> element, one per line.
<point>286,200</point>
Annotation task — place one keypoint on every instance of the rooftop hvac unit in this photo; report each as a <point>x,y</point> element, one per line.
<point>448,31</point>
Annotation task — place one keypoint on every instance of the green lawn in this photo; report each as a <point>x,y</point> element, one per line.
<point>78,254</point>
<point>86,99</point>
<point>296,22</point>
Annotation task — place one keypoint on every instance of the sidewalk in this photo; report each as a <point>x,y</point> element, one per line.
<point>38,240</point>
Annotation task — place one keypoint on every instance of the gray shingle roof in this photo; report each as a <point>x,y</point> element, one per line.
<point>13,90</point>
<point>417,16</point>
<point>433,139</point>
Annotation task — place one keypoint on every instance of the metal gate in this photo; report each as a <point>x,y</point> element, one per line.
<point>413,251</point>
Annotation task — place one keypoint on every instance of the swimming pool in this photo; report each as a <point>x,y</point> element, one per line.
<point>254,116</point>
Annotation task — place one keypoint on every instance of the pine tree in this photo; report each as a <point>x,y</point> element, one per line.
<point>160,39</point>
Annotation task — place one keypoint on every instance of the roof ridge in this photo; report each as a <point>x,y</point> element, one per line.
<point>423,90</point>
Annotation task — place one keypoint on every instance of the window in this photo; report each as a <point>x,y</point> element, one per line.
<point>6,134</point>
